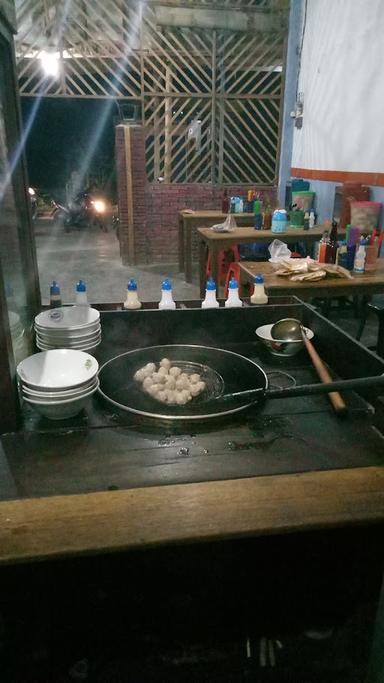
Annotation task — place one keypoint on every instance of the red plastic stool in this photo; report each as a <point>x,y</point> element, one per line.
<point>222,262</point>
<point>233,271</point>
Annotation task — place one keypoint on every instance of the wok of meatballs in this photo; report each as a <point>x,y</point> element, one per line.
<point>168,383</point>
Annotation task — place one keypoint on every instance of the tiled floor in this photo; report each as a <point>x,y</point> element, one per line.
<point>94,256</point>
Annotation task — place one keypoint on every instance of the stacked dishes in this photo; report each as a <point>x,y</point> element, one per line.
<point>69,327</point>
<point>58,383</point>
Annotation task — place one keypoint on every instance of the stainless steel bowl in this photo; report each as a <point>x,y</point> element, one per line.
<point>280,347</point>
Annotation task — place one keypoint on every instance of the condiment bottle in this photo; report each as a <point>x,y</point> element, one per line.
<point>259,296</point>
<point>166,300</point>
<point>233,299</point>
<point>306,220</point>
<point>210,300</point>
<point>359,264</point>
<point>258,216</point>
<point>323,247</point>
<point>81,294</point>
<point>312,218</point>
<point>330,255</point>
<point>132,301</point>
<point>54,295</point>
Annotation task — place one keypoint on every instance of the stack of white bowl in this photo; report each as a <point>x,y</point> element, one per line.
<point>68,327</point>
<point>58,383</point>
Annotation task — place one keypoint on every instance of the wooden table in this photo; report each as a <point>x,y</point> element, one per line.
<point>214,242</point>
<point>189,221</point>
<point>362,283</point>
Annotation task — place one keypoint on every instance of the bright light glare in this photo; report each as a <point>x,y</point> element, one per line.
<point>50,63</point>
<point>31,191</point>
<point>99,205</point>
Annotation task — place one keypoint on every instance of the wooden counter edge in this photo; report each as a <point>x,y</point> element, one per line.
<point>59,526</point>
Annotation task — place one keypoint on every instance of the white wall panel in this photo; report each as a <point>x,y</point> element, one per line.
<point>342,78</point>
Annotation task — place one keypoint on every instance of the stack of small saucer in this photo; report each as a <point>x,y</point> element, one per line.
<point>68,327</point>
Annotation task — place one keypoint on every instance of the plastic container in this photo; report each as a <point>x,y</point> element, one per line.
<point>312,219</point>
<point>365,215</point>
<point>303,199</point>
<point>371,255</point>
<point>259,296</point>
<point>233,300</point>
<point>258,216</point>
<point>296,219</point>
<point>54,295</point>
<point>81,294</point>
<point>279,221</point>
<point>132,301</point>
<point>166,300</point>
<point>359,264</point>
<point>210,300</point>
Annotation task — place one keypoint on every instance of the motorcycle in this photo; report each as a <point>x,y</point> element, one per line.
<point>33,202</point>
<point>83,212</point>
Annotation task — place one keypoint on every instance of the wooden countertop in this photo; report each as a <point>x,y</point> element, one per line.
<point>251,235</point>
<point>370,280</point>
<point>57,526</point>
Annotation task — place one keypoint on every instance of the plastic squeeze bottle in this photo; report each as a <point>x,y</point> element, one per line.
<point>359,264</point>
<point>233,299</point>
<point>259,296</point>
<point>132,301</point>
<point>166,300</point>
<point>81,294</point>
<point>54,295</point>
<point>210,300</point>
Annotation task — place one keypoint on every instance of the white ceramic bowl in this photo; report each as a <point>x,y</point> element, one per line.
<point>60,411</point>
<point>68,318</point>
<point>44,400</point>
<point>69,334</point>
<point>280,347</point>
<point>58,395</point>
<point>51,347</point>
<point>57,368</point>
<point>62,336</point>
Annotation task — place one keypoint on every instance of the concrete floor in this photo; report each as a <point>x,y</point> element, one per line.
<point>94,256</point>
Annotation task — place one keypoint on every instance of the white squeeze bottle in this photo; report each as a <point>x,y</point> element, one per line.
<point>233,299</point>
<point>81,294</point>
<point>210,300</point>
<point>359,263</point>
<point>166,300</point>
<point>132,301</point>
<point>259,296</point>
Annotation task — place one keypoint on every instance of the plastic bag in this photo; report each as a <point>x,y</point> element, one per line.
<point>228,226</point>
<point>279,251</point>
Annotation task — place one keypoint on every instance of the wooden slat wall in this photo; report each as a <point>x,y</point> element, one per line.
<point>228,83</point>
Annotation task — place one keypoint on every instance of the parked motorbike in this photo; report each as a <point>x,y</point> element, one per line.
<point>84,211</point>
<point>33,201</point>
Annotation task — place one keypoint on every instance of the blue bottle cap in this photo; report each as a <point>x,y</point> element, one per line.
<point>55,287</point>
<point>211,285</point>
<point>167,285</point>
<point>259,280</point>
<point>233,284</point>
<point>132,285</point>
<point>81,286</point>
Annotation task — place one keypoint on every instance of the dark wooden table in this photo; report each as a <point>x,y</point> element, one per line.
<point>213,242</point>
<point>191,220</point>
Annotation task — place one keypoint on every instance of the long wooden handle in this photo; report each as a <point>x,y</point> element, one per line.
<point>334,396</point>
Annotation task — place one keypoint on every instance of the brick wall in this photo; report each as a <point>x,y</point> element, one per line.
<point>155,206</point>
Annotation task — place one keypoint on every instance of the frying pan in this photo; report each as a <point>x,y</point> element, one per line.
<point>224,373</point>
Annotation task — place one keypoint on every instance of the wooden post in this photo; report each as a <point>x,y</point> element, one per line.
<point>168,128</point>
